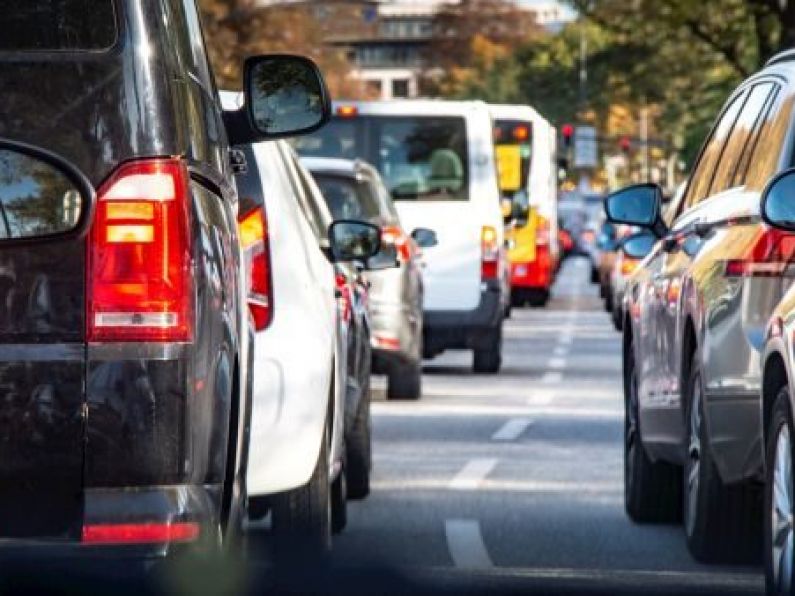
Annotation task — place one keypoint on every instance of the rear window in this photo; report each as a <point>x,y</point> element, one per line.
<point>420,158</point>
<point>57,25</point>
<point>347,198</point>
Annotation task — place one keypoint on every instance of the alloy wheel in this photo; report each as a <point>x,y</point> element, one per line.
<point>781,513</point>
<point>693,467</point>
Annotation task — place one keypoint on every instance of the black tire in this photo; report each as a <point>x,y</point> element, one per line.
<point>488,359</point>
<point>404,381</point>
<point>617,318</point>
<point>358,446</point>
<point>594,275</point>
<point>652,490</point>
<point>339,501</point>
<point>538,298</point>
<point>507,310</point>
<point>302,516</point>
<point>608,299</point>
<point>780,420</point>
<point>722,523</point>
<point>517,299</point>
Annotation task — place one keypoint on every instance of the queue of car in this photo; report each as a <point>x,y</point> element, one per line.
<point>708,338</point>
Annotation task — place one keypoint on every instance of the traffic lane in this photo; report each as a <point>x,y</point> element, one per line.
<point>547,513</point>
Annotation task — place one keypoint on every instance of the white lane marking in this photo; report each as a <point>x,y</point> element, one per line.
<point>472,474</point>
<point>556,363</point>
<point>465,542</point>
<point>566,339</point>
<point>511,430</point>
<point>561,351</point>
<point>543,398</point>
<point>552,378</point>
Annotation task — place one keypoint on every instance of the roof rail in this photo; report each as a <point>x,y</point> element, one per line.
<point>784,56</point>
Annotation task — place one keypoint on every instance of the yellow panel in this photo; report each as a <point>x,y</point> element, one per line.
<point>509,161</point>
<point>522,240</point>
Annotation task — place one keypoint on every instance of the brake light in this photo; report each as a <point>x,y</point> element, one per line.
<point>395,236</point>
<point>521,133</point>
<point>256,254</point>
<point>542,231</point>
<point>144,533</point>
<point>628,266</point>
<point>347,111</point>
<point>139,283</point>
<point>490,253</point>
<point>345,295</point>
<point>770,255</point>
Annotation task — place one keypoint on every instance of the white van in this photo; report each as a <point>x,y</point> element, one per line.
<point>527,155</point>
<point>437,160</point>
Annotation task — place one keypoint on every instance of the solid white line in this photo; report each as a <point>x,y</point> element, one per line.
<point>566,339</point>
<point>465,542</point>
<point>551,378</point>
<point>561,351</point>
<point>511,430</point>
<point>540,398</point>
<point>557,363</point>
<point>472,474</point>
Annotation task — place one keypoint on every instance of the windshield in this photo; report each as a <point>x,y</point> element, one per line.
<point>421,158</point>
<point>348,198</point>
<point>42,25</point>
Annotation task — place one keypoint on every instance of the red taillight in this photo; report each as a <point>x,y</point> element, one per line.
<point>395,236</point>
<point>345,295</point>
<point>144,533</point>
<point>140,284</point>
<point>256,253</point>
<point>770,255</point>
<point>490,253</point>
<point>347,111</point>
<point>628,266</point>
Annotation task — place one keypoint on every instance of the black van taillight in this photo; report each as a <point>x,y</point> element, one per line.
<point>256,252</point>
<point>140,286</point>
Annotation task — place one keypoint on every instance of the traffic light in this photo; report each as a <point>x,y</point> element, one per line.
<point>567,130</point>
<point>625,143</point>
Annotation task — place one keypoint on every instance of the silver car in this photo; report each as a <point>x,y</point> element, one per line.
<point>697,312</point>
<point>354,190</point>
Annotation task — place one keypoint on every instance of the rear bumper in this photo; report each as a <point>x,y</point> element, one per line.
<point>533,274</point>
<point>393,340</point>
<point>151,506</point>
<point>464,329</point>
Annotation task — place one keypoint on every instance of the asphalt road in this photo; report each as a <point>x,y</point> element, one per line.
<point>514,482</point>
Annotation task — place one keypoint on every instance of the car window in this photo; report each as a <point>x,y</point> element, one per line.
<point>741,132</point>
<point>750,148</point>
<point>348,198</point>
<point>704,172</point>
<point>42,25</point>
<point>767,154</point>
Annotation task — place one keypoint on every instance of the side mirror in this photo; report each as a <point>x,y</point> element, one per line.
<point>637,205</point>
<point>425,238</point>
<point>637,246</point>
<point>354,240</point>
<point>285,96</point>
<point>778,201</point>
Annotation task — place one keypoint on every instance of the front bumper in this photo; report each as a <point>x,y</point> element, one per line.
<point>464,329</point>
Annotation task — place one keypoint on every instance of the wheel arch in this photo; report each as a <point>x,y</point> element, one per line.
<point>774,377</point>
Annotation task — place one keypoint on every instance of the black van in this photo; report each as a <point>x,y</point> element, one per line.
<point>123,319</point>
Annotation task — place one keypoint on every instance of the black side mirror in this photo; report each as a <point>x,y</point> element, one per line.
<point>425,238</point>
<point>285,96</point>
<point>637,246</point>
<point>778,201</point>
<point>354,241</point>
<point>637,205</point>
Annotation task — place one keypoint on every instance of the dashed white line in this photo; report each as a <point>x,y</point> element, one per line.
<point>551,378</point>
<point>561,351</point>
<point>472,474</point>
<point>566,339</point>
<point>556,363</point>
<point>465,542</point>
<point>512,430</point>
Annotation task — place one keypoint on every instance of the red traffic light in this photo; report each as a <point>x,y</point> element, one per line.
<point>567,130</point>
<point>625,143</point>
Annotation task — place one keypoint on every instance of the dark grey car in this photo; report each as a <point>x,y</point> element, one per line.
<point>697,314</point>
<point>123,328</point>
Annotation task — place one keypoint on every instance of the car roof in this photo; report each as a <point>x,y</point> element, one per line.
<point>416,107</point>
<point>350,168</point>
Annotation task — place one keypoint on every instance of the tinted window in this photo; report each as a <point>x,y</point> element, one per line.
<point>705,170</point>
<point>766,157</point>
<point>513,148</point>
<point>348,198</point>
<point>40,25</point>
<point>420,158</point>
<point>724,176</point>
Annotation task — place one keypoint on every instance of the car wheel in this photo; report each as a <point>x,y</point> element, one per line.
<point>722,523</point>
<point>517,299</point>
<point>594,275</point>
<point>358,445</point>
<point>779,498</point>
<point>488,360</point>
<point>339,501</point>
<point>616,316</point>
<point>538,298</point>
<point>404,381</point>
<point>652,490</point>
<point>302,516</point>
<point>608,299</point>
<point>507,310</point>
